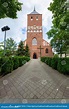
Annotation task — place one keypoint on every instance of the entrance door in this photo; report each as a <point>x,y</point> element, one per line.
<point>34,56</point>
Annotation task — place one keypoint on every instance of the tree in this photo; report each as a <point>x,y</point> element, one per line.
<point>1,45</point>
<point>9,8</point>
<point>10,46</point>
<point>21,50</point>
<point>1,49</point>
<point>27,51</point>
<point>60,29</point>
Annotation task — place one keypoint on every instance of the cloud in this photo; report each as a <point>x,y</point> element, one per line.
<point>18,26</point>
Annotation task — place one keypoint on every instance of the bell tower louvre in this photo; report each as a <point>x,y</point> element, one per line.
<point>37,45</point>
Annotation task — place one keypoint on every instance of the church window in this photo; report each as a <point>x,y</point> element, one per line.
<point>47,50</point>
<point>36,17</point>
<point>34,41</point>
<point>31,18</point>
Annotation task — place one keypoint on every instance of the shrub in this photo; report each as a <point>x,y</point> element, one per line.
<point>7,65</point>
<point>63,65</point>
<point>26,58</point>
<point>60,64</point>
<point>15,62</point>
<point>54,63</point>
<point>43,59</point>
<point>20,61</point>
<point>23,60</point>
<point>49,61</point>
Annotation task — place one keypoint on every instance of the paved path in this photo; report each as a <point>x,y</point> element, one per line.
<point>34,82</point>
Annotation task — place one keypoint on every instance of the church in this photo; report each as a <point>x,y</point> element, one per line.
<point>38,47</point>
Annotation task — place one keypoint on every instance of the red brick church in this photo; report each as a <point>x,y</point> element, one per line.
<point>37,45</point>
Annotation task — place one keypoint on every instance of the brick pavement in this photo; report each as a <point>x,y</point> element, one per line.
<point>34,82</point>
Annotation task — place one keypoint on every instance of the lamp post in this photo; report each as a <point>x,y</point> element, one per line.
<point>5,28</point>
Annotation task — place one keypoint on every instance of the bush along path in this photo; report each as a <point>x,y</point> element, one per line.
<point>60,64</point>
<point>8,64</point>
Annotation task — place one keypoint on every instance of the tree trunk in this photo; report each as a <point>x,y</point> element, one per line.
<point>65,54</point>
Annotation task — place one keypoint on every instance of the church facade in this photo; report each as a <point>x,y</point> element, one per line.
<point>37,45</point>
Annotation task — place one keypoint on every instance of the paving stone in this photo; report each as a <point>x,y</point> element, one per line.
<point>31,95</point>
<point>26,83</point>
<point>25,95</point>
<point>47,92</point>
<point>45,95</point>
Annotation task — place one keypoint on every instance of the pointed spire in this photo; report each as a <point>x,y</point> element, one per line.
<point>34,8</point>
<point>34,11</point>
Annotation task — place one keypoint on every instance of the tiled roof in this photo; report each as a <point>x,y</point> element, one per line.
<point>34,11</point>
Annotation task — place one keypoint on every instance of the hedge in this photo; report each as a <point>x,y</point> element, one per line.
<point>16,62</point>
<point>54,62</point>
<point>60,64</point>
<point>63,65</point>
<point>8,64</point>
<point>23,60</point>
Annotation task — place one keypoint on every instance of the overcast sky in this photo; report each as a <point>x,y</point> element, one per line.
<point>18,27</point>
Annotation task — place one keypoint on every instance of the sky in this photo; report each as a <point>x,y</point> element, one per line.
<point>18,27</point>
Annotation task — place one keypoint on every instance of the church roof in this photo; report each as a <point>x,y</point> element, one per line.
<point>34,11</point>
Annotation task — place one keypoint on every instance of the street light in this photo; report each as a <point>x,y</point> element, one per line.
<point>5,28</point>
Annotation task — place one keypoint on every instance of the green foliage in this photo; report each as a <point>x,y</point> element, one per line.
<point>21,51</point>
<point>9,8</point>
<point>21,59</point>
<point>60,29</point>
<point>7,64</point>
<point>16,62</point>
<point>46,60</point>
<point>56,56</point>
<point>63,65</point>
<point>26,58</point>
<point>10,46</point>
<point>27,51</point>
<point>1,53</point>
<point>54,63</point>
<point>60,64</point>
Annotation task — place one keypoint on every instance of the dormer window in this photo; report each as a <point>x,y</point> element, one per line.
<point>31,18</point>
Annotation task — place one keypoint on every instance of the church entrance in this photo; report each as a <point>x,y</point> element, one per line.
<point>34,56</point>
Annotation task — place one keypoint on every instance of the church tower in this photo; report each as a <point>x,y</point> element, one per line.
<point>35,41</point>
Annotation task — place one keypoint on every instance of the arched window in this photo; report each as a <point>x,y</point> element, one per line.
<point>31,18</point>
<point>34,41</point>
<point>36,17</point>
<point>47,50</point>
